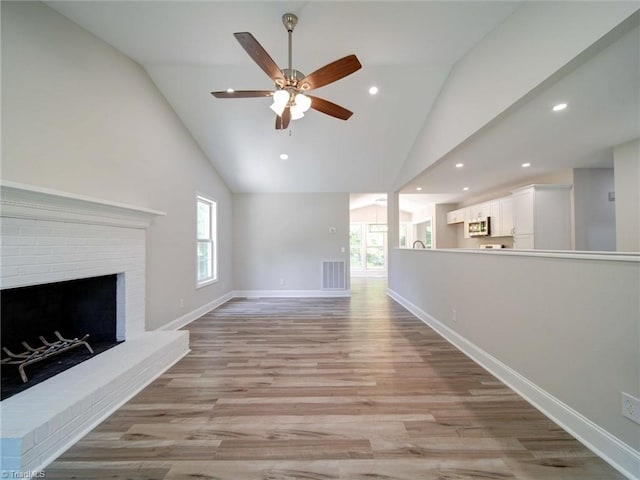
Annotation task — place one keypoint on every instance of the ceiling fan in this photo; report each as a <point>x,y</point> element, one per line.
<point>289,99</point>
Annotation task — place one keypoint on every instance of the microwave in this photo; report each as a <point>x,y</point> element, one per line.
<point>479,227</point>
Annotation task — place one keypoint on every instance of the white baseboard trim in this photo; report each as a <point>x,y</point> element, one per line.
<point>186,319</point>
<point>290,293</point>
<point>612,450</point>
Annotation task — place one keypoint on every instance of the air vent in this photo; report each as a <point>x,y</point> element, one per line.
<point>333,275</point>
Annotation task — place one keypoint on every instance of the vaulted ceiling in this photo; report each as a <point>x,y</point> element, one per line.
<point>407,50</point>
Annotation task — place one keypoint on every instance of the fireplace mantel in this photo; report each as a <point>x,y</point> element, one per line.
<point>27,201</point>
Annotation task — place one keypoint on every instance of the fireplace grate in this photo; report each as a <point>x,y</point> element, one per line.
<point>47,350</point>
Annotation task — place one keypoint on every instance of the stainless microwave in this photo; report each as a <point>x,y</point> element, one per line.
<point>479,227</point>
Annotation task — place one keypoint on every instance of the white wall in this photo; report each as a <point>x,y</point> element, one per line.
<point>280,239</point>
<point>626,160</point>
<point>521,53</point>
<point>594,212</point>
<point>80,117</point>
<point>569,326</point>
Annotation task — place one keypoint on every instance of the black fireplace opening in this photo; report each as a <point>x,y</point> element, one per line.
<point>73,308</point>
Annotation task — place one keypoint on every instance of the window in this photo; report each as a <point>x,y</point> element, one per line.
<point>206,241</point>
<point>356,245</point>
<point>368,246</point>
<point>375,248</point>
<point>404,235</point>
<point>428,233</point>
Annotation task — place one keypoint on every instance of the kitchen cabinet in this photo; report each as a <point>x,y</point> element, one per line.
<point>479,211</point>
<point>523,242</point>
<point>502,217</point>
<point>541,217</point>
<point>457,216</point>
<point>506,216</point>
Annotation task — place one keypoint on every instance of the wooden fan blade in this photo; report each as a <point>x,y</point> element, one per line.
<point>331,72</point>
<point>330,108</point>
<point>260,56</point>
<point>243,94</point>
<point>282,122</point>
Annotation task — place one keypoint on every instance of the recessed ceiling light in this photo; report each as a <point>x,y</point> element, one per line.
<point>465,188</point>
<point>459,165</point>
<point>418,188</point>
<point>230,90</point>
<point>284,156</point>
<point>559,107</point>
<point>373,90</point>
<point>525,165</point>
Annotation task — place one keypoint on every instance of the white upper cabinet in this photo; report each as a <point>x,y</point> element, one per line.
<point>457,216</point>
<point>480,210</point>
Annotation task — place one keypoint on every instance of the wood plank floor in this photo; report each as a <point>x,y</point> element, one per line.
<point>326,389</point>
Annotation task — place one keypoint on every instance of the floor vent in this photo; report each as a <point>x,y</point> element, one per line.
<point>333,275</point>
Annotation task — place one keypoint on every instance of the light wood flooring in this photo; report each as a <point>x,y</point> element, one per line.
<point>323,389</point>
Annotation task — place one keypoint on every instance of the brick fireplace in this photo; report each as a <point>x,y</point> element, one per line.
<point>49,236</point>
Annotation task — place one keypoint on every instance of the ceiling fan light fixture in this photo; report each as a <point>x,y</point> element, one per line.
<point>280,100</point>
<point>296,112</point>
<point>302,102</point>
<point>278,109</point>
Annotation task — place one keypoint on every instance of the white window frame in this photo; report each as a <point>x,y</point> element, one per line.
<point>210,239</point>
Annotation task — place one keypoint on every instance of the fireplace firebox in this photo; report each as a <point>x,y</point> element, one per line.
<point>73,308</point>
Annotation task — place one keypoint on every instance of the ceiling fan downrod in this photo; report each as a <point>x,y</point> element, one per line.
<point>290,21</point>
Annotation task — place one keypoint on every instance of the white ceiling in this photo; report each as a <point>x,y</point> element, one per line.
<point>603,97</point>
<point>407,49</point>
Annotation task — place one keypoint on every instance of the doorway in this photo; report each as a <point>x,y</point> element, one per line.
<point>368,235</point>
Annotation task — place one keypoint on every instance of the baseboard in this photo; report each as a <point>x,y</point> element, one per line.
<point>290,293</point>
<point>612,450</point>
<point>186,319</point>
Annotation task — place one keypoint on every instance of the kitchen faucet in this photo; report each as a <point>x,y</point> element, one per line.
<point>420,242</point>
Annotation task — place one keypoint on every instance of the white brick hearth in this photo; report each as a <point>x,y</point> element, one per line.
<point>50,236</point>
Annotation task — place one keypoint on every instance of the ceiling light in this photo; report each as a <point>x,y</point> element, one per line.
<point>296,112</point>
<point>230,90</point>
<point>284,156</point>
<point>459,165</point>
<point>373,90</point>
<point>465,188</point>
<point>280,100</point>
<point>302,102</point>
<point>418,188</point>
<point>559,107</point>
<point>525,165</point>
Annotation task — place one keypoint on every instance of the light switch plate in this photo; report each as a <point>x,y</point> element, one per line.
<point>631,407</point>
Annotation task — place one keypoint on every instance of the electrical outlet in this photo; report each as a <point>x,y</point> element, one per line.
<point>631,407</point>
<point>454,315</point>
